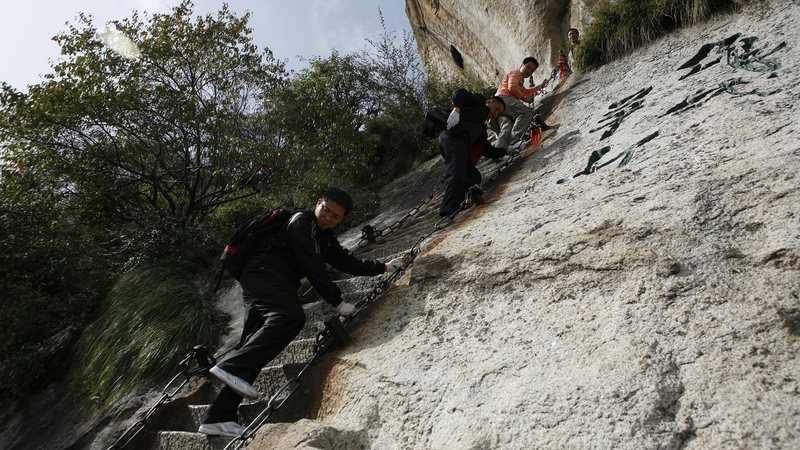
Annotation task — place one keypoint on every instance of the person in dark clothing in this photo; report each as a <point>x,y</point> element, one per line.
<point>463,143</point>
<point>273,314</point>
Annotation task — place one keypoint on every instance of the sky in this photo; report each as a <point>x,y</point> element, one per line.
<point>294,30</point>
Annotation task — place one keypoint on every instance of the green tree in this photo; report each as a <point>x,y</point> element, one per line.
<point>47,277</point>
<point>400,127</point>
<point>155,143</point>
<point>112,162</point>
<point>322,113</point>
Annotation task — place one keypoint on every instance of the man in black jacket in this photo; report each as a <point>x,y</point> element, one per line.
<point>274,316</point>
<point>463,142</point>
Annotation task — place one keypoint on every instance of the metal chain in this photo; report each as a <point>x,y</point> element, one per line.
<point>324,339</point>
<point>203,360</point>
<point>370,233</point>
<point>552,77</point>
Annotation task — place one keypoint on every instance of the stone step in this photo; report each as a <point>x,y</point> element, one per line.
<point>396,246</point>
<point>298,351</point>
<point>418,224</point>
<point>175,414</point>
<point>355,297</point>
<point>269,380</point>
<point>196,413</point>
<point>267,384</point>
<point>247,413</point>
<point>185,440</point>
<point>413,226</point>
<point>311,329</point>
<point>349,283</point>
<point>189,416</point>
<point>318,311</point>
<point>345,282</point>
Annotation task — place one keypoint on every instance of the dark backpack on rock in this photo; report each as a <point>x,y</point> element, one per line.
<point>247,238</point>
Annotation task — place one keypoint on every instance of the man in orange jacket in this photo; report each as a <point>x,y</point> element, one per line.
<point>517,117</point>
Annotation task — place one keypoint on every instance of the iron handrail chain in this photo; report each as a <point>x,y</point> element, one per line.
<point>323,339</point>
<point>166,395</point>
<point>369,233</point>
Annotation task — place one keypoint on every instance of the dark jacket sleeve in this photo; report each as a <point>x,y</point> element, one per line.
<point>473,110</point>
<point>463,98</point>
<point>303,241</point>
<point>342,259</point>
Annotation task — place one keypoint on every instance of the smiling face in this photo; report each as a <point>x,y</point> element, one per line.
<point>574,36</point>
<point>528,68</point>
<point>328,214</point>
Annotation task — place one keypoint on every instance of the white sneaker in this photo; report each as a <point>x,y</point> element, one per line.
<point>241,387</point>
<point>229,429</point>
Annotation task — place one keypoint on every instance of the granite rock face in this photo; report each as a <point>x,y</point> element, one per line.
<point>634,284</point>
<point>486,39</point>
<point>308,434</point>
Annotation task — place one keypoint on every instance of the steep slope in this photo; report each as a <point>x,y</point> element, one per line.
<point>650,302</point>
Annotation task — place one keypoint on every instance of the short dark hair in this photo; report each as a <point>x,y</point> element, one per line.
<point>530,59</point>
<point>498,100</point>
<point>340,197</point>
<point>573,29</point>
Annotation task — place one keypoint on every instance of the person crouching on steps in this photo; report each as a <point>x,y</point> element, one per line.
<point>273,314</point>
<point>463,143</point>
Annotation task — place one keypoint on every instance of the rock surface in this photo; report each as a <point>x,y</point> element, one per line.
<point>308,434</point>
<point>654,304</point>
<point>492,37</point>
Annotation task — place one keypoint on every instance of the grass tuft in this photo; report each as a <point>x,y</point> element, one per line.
<point>621,26</point>
<point>151,318</point>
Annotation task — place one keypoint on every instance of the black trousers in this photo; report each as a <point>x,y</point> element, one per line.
<point>460,174</point>
<point>270,324</point>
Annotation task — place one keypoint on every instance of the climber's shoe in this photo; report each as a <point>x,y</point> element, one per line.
<point>227,429</point>
<point>475,195</point>
<point>239,386</point>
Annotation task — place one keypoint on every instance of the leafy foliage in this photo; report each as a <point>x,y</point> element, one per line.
<point>401,101</point>
<point>624,25</point>
<point>155,143</point>
<point>322,112</point>
<point>48,279</point>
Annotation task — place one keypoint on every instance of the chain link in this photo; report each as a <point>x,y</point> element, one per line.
<point>370,234</point>
<point>324,339</point>
<point>203,361</point>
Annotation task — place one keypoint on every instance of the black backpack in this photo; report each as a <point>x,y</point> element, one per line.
<point>241,245</point>
<point>438,116</point>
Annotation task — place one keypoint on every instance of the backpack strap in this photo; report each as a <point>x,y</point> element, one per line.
<point>295,215</point>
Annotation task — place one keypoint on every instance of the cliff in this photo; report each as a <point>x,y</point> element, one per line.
<point>632,282</point>
<point>485,39</point>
